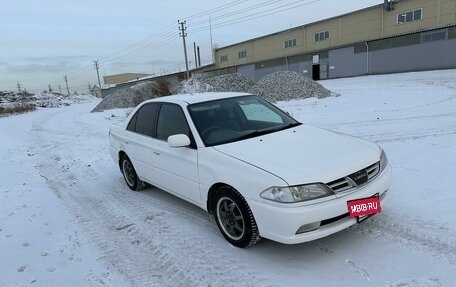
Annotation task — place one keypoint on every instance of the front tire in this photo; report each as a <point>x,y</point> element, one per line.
<point>234,218</point>
<point>130,175</point>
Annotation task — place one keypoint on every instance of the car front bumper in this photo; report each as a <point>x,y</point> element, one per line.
<point>281,222</point>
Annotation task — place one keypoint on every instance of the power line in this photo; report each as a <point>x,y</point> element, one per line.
<point>236,12</point>
<point>143,46</point>
<point>213,10</point>
<point>257,15</point>
<point>140,50</point>
<point>126,51</point>
<point>133,54</point>
<point>157,39</point>
<point>168,28</point>
<point>165,35</point>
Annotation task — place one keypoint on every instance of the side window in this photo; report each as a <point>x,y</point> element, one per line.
<point>132,124</point>
<point>171,121</point>
<point>145,119</point>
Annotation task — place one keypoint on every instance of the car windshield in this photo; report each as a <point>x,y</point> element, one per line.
<point>233,119</point>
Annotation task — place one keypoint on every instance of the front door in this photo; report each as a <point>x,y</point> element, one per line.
<point>176,169</point>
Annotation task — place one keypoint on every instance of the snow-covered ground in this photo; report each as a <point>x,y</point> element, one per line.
<point>68,219</point>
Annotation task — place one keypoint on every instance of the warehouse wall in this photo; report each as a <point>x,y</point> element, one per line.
<point>413,52</point>
<point>421,51</point>
<point>359,26</point>
<point>344,62</point>
<point>426,56</point>
<point>247,71</point>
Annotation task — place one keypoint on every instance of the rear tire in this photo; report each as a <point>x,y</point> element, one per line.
<point>234,218</point>
<point>130,175</point>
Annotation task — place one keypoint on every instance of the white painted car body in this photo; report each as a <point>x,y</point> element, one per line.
<point>294,156</point>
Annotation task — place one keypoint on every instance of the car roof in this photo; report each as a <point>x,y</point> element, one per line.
<point>197,97</point>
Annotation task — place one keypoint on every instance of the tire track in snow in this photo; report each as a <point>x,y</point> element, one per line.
<point>427,237</point>
<point>387,121</point>
<point>141,260</point>
<point>142,206</point>
<point>398,129</point>
<point>132,251</point>
<point>153,245</point>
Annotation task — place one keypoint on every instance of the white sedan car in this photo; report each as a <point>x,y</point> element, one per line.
<point>260,172</point>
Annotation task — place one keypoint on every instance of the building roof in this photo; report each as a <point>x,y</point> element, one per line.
<point>125,74</point>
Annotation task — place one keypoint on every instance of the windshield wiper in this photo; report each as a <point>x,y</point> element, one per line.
<point>290,125</point>
<point>252,135</point>
<point>264,132</point>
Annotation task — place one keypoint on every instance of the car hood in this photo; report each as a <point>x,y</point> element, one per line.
<point>305,154</point>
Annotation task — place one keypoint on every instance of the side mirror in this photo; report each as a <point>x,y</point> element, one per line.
<point>179,140</point>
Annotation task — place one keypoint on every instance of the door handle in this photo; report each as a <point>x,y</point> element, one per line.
<point>156,152</point>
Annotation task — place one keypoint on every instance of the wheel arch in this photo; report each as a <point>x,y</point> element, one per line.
<point>121,155</point>
<point>211,194</point>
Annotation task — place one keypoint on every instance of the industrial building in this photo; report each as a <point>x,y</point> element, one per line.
<point>396,36</point>
<point>122,78</point>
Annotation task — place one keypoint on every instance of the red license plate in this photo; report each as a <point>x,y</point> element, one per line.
<point>363,207</point>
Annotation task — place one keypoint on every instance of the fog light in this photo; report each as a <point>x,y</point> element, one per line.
<point>308,227</point>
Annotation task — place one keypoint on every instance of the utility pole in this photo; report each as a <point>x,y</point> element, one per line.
<point>97,66</point>
<point>60,90</point>
<point>65,78</point>
<point>90,88</point>
<point>183,34</point>
<point>199,56</point>
<point>212,46</point>
<point>194,50</point>
<point>50,89</point>
<point>19,87</point>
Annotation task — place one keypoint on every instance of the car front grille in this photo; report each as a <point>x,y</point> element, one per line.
<point>356,179</point>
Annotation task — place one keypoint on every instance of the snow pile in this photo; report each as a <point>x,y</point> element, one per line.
<point>54,100</point>
<point>223,83</point>
<point>17,102</point>
<point>193,85</point>
<point>130,97</point>
<point>285,86</point>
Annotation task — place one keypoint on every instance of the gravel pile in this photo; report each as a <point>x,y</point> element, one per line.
<point>286,85</point>
<point>223,83</point>
<point>280,86</point>
<point>230,83</point>
<point>129,97</point>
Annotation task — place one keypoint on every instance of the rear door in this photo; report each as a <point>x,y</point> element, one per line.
<point>176,169</point>
<point>139,141</point>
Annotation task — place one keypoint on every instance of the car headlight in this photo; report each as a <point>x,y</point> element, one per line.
<point>296,193</point>
<point>383,161</point>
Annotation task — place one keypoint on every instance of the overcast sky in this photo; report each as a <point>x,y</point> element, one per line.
<point>41,41</point>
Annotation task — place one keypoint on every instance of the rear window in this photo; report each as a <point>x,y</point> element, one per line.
<point>145,119</point>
